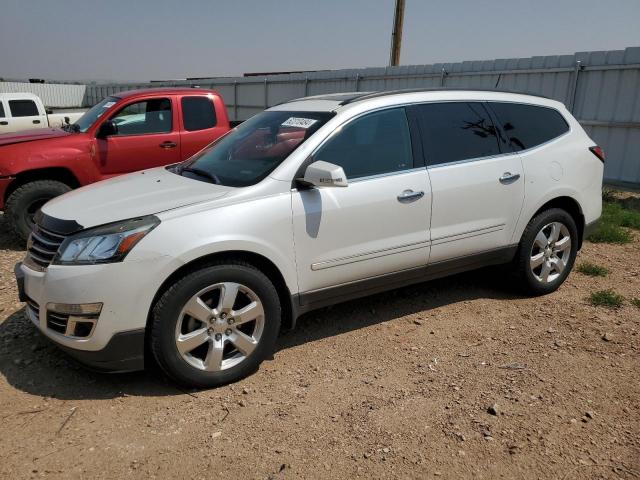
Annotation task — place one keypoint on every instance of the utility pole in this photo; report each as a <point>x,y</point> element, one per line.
<point>396,35</point>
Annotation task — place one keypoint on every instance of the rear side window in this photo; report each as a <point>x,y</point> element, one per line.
<point>198,113</point>
<point>456,131</point>
<point>527,126</point>
<point>23,108</point>
<point>1,110</point>
<point>371,145</point>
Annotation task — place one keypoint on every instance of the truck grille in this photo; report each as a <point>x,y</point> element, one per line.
<point>42,247</point>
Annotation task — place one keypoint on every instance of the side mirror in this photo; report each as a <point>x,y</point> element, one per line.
<point>107,129</point>
<point>48,111</point>
<point>324,174</point>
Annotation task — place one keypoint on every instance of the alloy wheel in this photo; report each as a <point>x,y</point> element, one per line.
<point>550,252</point>
<point>220,326</point>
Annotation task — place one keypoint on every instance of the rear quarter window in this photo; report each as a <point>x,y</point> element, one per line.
<point>528,126</point>
<point>198,113</point>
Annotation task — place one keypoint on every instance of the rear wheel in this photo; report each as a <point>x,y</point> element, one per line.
<point>547,252</point>
<point>26,200</point>
<point>215,325</point>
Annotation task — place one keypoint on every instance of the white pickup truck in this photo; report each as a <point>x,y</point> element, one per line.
<point>24,111</point>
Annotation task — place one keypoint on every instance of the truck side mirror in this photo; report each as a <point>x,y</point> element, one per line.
<point>107,129</point>
<point>324,174</point>
<point>48,111</point>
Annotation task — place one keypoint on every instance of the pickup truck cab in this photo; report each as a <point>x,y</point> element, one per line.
<point>25,111</point>
<point>130,131</point>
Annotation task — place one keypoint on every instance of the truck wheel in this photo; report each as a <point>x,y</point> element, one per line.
<point>215,325</point>
<point>547,252</point>
<point>25,201</point>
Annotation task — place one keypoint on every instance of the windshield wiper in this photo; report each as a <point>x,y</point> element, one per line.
<point>201,173</point>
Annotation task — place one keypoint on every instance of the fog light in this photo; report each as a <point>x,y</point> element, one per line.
<point>93,309</point>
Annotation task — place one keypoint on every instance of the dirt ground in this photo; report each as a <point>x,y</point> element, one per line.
<point>392,386</point>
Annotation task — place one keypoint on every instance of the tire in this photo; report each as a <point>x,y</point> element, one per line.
<point>26,200</point>
<point>542,264</point>
<point>195,312</point>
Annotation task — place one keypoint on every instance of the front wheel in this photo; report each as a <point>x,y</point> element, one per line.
<point>26,200</point>
<point>547,252</point>
<point>216,325</point>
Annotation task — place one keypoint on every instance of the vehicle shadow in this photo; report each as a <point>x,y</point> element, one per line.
<point>488,283</point>
<point>32,364</point>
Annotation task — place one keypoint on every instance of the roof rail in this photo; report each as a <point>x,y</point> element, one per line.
<point>367,96</point>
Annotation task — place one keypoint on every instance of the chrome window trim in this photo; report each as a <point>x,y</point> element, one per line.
<point>438,165</point>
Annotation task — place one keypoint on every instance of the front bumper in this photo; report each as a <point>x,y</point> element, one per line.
<point>117,341</point>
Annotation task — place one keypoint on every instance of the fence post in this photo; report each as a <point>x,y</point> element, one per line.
<point>235,100</point>
<point>357,82</point>
<point>574,91</point>
<point>443,74</point>
<point>266,93</point>
<point>306,86</point>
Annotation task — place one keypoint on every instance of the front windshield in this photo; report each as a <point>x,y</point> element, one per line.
<point>91,115</point>
<point>252,150</point>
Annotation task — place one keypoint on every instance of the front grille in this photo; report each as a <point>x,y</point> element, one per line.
<point>33,309</point>
<point>42,247</point>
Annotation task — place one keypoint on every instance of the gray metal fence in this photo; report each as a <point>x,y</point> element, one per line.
<point>600,88</point>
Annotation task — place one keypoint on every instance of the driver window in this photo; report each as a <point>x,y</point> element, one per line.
<point>148,116</point>
<point>371,145</point>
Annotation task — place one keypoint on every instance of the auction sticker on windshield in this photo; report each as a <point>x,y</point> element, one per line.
<point>299,122</point>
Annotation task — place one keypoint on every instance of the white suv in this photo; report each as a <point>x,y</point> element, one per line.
<point>309,203</point>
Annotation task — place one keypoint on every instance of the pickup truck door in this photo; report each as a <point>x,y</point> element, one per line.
<point>24,114</point>
<point>200,122</point>
<point>378,224</point>
<point>148,136</point>
<point>4,118</point>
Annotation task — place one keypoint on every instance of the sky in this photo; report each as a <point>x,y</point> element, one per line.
<point>140,40</point>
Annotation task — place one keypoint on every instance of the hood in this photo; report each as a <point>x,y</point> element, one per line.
<point>129,196</point>
<point>31,135</point>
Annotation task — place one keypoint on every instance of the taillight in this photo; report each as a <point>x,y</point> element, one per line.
<point>598,152</point>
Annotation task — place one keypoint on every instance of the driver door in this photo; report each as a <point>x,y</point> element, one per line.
<point>378,224</point>
<point>148,136</point>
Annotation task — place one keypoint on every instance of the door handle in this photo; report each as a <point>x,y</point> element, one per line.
<point>168,144</point>
<point>508,177</point>
<point>36,121</point>
<point>410,196</point>
<point>4,122</point>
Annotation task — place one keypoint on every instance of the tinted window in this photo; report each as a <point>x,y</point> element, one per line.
<point>374,144</point>
<point>149,116</point>
<point>528,125</point>
<point>23,108</point>
<point>456,131</point>
<point>198,113</point>
<point>1,110</point>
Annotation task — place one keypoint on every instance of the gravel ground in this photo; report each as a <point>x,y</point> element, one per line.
<point>455,378</point>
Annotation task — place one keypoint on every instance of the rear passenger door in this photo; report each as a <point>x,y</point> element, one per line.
<point>199,124</point>
<point>25,115</point>
<point>477,185</point>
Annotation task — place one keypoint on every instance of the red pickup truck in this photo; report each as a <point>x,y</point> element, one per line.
<point>123,133</point>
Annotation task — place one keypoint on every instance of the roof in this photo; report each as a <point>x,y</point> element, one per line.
<point>162,90</point>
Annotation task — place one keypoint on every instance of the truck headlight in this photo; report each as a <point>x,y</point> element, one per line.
<point>105,244</point>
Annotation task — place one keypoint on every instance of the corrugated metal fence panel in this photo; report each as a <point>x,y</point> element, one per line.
<point>603,93</point>
<point>52,94</point>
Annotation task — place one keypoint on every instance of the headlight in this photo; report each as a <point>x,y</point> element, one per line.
<point>105,244</point>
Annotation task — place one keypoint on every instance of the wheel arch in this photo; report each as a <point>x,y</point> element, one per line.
<point>571,206</point>
<point>60,174</point>
<point>257,260</point>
